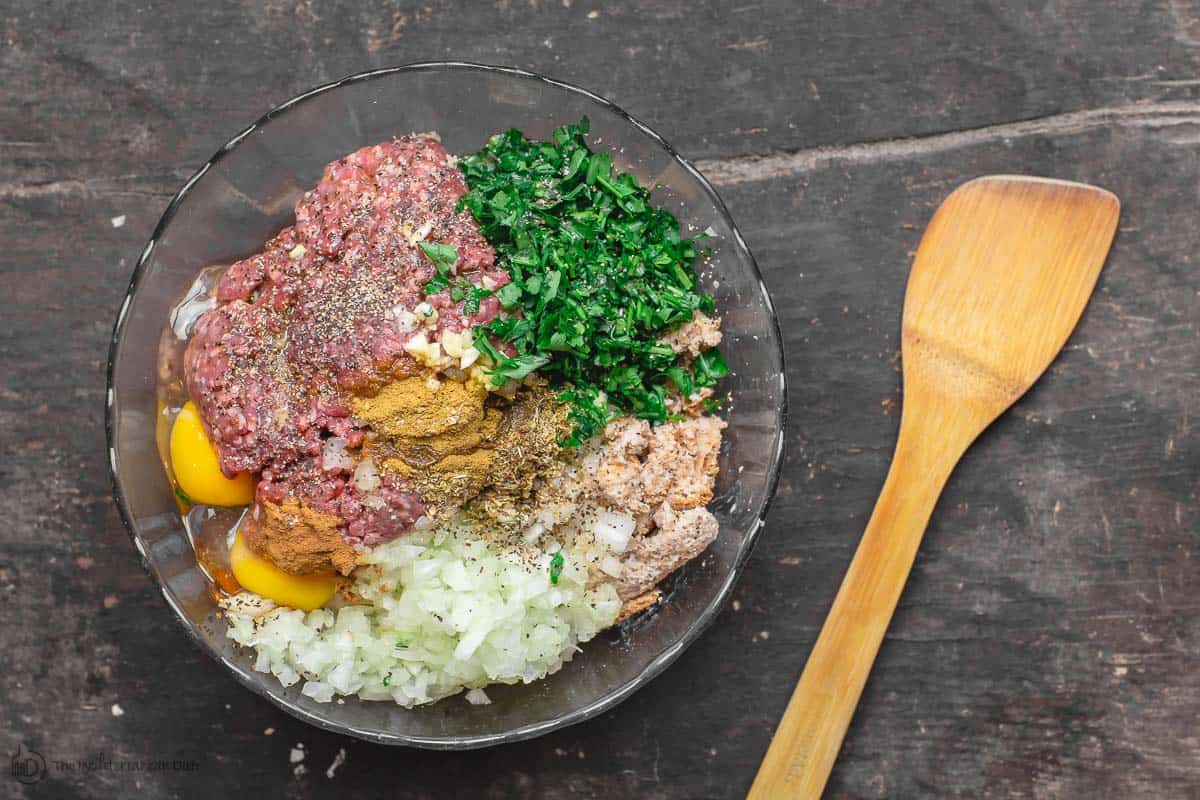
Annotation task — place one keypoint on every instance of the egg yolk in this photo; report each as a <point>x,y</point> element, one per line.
<point>197,469</point>
<point>258,574</point>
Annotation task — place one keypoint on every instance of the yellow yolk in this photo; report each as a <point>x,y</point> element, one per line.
<point>259,575</point>
<point>197,469</point>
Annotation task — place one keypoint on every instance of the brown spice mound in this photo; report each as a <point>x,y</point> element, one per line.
<point>298,538</point>
<point>442,413</point>
<point>457,444</point>
<point>527,449</point>
<point>438,435</point>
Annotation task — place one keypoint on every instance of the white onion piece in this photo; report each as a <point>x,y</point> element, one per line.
<point>333,455</point>
<point>405,320</point>
<point>614,530</point>
<point>366,477</point>
<point>534,532</point>
<point>609,565</point>
<point>478,697</point>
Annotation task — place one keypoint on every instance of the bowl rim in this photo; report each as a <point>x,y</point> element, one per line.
<point>611,698</point>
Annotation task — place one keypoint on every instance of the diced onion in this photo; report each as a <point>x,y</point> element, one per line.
<point>614,530</point>
<point>443,611</point>
<point>366,477</point>
<point>609,565</point>
<point>334,456</point>
<point>478,697</point>
<point>452,343</point>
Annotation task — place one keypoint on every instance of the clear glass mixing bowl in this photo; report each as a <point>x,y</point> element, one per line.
<point>246,192</point>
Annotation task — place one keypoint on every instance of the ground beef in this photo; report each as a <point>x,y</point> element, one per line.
<point>324,310</point>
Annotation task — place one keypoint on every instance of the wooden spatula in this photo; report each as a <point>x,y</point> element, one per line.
<point>1001,277</point>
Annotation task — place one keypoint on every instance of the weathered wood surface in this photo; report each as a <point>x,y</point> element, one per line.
<point>1048,644</point>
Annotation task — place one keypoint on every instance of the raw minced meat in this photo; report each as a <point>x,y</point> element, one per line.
<point>325,309</point>
<point>646,466</point>
<point>693,337</point>
<point>662,477</point>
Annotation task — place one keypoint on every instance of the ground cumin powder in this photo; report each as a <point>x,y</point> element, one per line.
<point>445,412</point>
<point>454,441</point>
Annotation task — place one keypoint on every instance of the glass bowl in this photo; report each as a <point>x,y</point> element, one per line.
<point>246,193</point>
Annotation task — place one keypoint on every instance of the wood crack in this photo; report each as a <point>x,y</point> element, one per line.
<point>752,168</point>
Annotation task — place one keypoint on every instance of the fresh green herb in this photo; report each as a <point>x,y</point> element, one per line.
<point>182,495</point>
<point>556,566</point>
<point>509,295</point>
<point>436,284</point>
<point>710,366</point>
<point>387,679</point>
<point>474,295</point>
<point>401,645</point>
<point>599,274</point>
<point>443,256</point>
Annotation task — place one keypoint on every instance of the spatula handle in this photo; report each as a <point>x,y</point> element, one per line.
<point>808,738</point>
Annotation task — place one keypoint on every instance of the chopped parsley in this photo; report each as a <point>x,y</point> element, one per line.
<point>599,274</point>
<point>556,566</point>
<point>182,495</point>
<point>444,258</point>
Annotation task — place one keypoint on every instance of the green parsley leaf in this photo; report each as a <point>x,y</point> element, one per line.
<point>556,567</point>
<point>443,256</point>
<point>509,295</point>
<point>436,284</point>
<point>182,495</point>
<point>598,273</point>
<point>515,369</point>
<point>709,367</point>
<point>474,297</point>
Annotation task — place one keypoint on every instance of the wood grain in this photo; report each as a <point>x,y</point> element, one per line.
<point>1002,275</point>
<point>1047,640</point>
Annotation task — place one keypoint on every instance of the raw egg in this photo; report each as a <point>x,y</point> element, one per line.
<point>197,469</point>
<point>259,574</point>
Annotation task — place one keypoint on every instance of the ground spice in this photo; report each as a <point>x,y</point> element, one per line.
<point>456,443</point>
<point>425,408</point>
<point>298,538</point>
<point>528,449</point>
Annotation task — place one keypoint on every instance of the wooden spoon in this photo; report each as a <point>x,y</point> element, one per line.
<point>1000,279</point>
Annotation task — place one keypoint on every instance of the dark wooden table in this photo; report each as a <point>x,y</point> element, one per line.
<point>1048,644</point>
